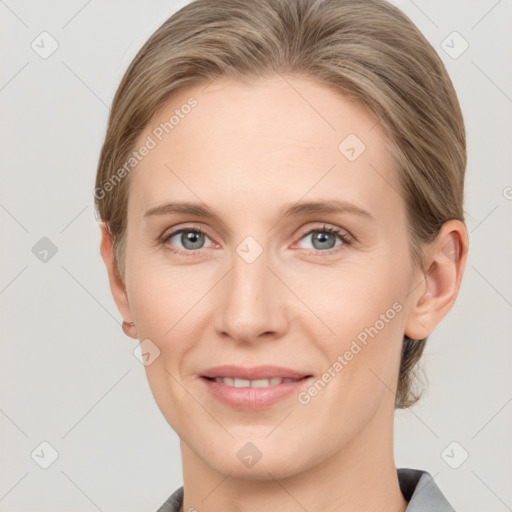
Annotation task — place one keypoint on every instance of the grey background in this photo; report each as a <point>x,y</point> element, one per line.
<point>68,374</point>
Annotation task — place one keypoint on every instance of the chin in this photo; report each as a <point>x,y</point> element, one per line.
<point>256,458</point>
<point>279,468</point>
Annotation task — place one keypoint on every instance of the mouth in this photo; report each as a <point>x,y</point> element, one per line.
<point>255,388</point>
<point>255,376</point>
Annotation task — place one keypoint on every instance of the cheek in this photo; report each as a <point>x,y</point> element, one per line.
<point>364,306</point>
<point>163,296</point>
<point>361,360</point>
<point>167,310</point>
<point>357,296</point>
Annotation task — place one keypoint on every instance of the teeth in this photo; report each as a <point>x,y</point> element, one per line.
<point>263,383</point>
<point>259,383</point>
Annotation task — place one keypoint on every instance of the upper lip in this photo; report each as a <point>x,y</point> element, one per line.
<point>253,373</point>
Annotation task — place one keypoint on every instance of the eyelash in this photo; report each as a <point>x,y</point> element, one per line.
<point>345,238</point>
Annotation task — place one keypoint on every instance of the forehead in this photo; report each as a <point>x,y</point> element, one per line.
<point>281,137</point>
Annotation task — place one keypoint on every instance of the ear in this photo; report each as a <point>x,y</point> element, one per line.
<point>117,286</point>
<point>435,295</point>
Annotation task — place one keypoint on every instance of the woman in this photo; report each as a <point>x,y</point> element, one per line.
<point>280,190</point>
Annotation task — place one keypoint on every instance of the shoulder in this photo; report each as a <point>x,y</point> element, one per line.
<point>421,491</point>
<point>173,503</point>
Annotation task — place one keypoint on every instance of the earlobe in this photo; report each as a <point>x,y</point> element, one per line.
<point>435,296</point>
<point>117,286</point>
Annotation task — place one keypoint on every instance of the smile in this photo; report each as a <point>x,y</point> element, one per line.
<point>258,383</point>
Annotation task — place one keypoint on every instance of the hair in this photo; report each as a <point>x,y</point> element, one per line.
<point>368,50</point>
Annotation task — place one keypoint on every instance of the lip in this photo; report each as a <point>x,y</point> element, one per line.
<point>249,398</point>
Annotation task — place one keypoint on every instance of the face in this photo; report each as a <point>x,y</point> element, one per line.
<point>317,295</point>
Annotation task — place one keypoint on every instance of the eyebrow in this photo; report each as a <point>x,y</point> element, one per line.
<point>288,210</point>
<point>332,206</point>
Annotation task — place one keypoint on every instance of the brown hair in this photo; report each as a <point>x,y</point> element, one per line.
<point>367,49</point>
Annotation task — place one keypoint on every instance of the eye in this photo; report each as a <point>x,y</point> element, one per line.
<point>188,240</point>
<point>191,239</point>
<point>323,239</point>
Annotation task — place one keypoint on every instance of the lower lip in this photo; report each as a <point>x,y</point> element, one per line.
<point>253,399</point>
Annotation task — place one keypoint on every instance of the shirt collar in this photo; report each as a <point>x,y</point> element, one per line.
<point>417,486</point>
<point>421,491</point>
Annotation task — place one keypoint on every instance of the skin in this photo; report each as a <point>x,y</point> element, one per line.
<point>245,151</point>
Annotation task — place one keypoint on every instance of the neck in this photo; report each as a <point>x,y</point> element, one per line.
<point>360,476</point>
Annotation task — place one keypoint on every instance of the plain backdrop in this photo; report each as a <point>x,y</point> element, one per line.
<point>69,377</point>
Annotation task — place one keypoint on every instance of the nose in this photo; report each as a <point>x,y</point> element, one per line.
<point>251,302</point>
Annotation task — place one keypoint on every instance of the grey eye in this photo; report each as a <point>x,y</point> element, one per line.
<point>323,239</point>
<point>189,239</point>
